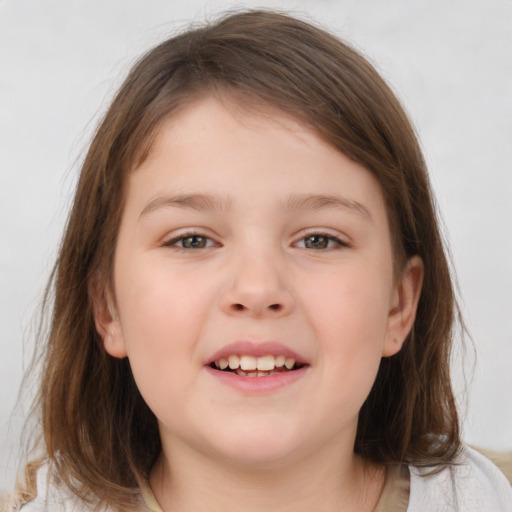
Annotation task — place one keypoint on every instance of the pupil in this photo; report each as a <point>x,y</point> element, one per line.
<point>194,242</point>
<point>317,242</point>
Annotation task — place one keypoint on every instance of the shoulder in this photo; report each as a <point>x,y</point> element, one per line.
<point>473,484</point>
<point>48,498</point>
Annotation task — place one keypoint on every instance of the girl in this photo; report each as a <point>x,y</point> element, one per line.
<point>252,308</point>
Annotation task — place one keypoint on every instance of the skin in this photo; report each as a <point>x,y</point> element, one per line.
<point>260,278</point>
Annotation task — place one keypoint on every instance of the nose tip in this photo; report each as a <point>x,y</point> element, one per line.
<point>257,288</point>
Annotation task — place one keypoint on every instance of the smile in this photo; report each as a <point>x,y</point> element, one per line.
<point>250,366</point>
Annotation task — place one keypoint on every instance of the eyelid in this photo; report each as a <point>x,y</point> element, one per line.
<point>172,241</point>
<point>338,238</point>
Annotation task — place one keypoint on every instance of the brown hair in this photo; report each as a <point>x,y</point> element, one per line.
<point>99,434</point>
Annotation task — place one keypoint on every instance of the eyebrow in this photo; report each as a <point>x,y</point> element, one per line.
<point>200,202</point>
<point>327,202</point>
<point>213,202</point>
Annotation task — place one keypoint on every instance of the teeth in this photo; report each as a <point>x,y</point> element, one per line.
<point>234,362</point>
<point>265,363</point>
<point>280,361</point>
<point>289,363</point>
<point>255,366</point>
<point>248,363</point>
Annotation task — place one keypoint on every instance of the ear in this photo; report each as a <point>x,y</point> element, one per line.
<point>404,304</point>
<point>106,319</point>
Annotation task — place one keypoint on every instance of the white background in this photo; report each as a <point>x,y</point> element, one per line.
<point>449,61</point>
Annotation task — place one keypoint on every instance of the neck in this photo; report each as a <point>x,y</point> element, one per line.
<point>327,481</point>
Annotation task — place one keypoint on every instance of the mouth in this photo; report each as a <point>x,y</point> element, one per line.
<point>251,366</point>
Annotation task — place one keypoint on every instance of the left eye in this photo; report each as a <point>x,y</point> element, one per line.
<point>318,241</point>
<point>191,242</point>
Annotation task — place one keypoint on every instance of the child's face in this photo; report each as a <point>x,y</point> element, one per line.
<point>247,235</point>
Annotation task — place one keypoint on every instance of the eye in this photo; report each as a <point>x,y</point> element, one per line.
<point>191,241</point>
<point>320,241</point>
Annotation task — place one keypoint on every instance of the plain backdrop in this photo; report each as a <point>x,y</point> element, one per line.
<point>449,61</point>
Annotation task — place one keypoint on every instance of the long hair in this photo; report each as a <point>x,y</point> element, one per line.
<point>99,435</point>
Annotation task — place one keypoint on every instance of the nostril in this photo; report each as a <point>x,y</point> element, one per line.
<point>241,307</point>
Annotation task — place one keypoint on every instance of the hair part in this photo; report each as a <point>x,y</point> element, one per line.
<point>98,432</point>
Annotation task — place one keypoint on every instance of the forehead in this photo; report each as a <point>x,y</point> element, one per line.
<point>218,147</point>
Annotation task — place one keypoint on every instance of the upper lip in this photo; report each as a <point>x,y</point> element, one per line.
<point>255,349</point>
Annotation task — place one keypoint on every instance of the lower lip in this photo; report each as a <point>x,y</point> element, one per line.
<point>258,385</point>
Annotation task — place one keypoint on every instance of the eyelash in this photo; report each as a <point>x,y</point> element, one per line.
<point>338,243</point>
<point>181,238</point>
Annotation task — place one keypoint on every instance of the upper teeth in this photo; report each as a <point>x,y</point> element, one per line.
<point>264,363</point>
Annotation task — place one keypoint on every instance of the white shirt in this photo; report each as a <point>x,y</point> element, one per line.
<point>474,485</point>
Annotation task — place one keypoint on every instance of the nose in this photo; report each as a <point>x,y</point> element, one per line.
<point>257,288</point>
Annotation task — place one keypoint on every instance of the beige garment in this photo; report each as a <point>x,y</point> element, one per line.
<point>395,495</point>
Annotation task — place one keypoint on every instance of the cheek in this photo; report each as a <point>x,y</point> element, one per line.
<point>349,306</point>
<point>349,315</point>
<point>158,306</point>
<point>160,321</point>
